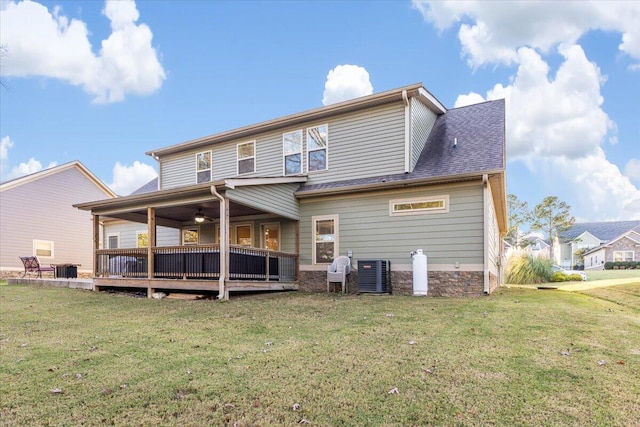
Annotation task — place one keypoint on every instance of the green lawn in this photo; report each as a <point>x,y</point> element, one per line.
<point>518,357</point>
<point>612,274</point>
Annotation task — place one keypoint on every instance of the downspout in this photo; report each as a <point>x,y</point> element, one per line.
<point>224,246</point>
<point>407,132</point>
<point>485,215</point>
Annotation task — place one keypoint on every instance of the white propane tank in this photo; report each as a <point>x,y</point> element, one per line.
<point>420,285</point>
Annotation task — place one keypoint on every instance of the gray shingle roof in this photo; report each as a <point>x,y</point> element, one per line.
<point>148,187</point>
<point>480,133</point>
<point>604,231</point>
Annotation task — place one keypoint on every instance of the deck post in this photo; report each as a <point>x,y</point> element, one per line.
<point>151,232</point>
<point>298,250</point>
<point>96,243</point>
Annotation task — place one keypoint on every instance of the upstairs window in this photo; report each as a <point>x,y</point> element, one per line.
<point>292,152</point>
<point>246,157</point>
<point>203,167</point>
<point>317,144</point>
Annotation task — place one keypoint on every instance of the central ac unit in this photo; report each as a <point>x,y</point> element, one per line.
<point>374,275</point>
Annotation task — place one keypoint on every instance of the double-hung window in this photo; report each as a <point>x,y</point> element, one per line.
<point>325,238</point>
<point>292,152</point>
<point>203,167</point>
<point>317,145</point>
<point>246,157</point>
<point>43,248</point>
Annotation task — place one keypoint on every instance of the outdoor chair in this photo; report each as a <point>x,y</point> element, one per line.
<point>338,271</point>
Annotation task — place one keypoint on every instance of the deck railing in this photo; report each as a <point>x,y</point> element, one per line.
<point>198,262</point>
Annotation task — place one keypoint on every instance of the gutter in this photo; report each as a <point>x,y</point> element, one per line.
<point>407,132</point>
<point>386,185</point>
<point>223,294</point>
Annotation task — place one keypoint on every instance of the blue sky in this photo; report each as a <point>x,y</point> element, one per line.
<point>104,82</point>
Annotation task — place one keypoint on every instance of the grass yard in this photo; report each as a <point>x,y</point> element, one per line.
<point>518,357</point>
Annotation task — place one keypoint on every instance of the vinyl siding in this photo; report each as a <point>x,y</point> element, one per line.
<point>128,231</point>
<point>42,209</point>
<point>366,228</point>
<point>422,121</point>
<point>278,199</point>
<point>493,234</point>
<point>375,134</point>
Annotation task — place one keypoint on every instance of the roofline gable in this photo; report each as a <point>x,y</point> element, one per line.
<point>36,176</point>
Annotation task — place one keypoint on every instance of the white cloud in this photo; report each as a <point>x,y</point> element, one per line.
<point>25,168</point>
<point>127,179</point>
<point>499,28</point>
<point>601,189</point>
<point>5,144</point>
<point>469,99</point>
<point>346,82</point>
<point>632,170</point>
<point>49,44</point>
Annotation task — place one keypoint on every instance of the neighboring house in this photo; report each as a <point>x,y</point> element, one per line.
<point>270,205</point>
<point>37,217</point>
<point>588,236</point>
<point>625,247</point>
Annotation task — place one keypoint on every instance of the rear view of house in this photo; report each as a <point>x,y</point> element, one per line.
<point>271,205</point>
<point>37,217</point>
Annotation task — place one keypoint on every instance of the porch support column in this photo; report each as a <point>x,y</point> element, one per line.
<point>96,243</point>
<point>151,233</point>
<point>223,293</point>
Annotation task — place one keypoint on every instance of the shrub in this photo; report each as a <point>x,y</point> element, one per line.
<point>527,269</point>
<point>608,265</point>
<point>559,276</point>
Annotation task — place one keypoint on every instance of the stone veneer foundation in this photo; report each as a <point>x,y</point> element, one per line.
<point>440,283</point>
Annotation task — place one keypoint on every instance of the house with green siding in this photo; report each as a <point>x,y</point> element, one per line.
<point>269,206</point>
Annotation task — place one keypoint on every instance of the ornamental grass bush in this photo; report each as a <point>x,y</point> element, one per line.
<point>525,269</point>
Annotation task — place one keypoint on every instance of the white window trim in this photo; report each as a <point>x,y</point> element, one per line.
<point>138,233</point>
<point>116,235</point>
<point>263,241</point>
<point>443,198</point>
<point>204,170</point>
<point>336,243</point>
<point>623,252</point>
<point>195,228</point>
<point>254,157</point>
<point>326,148</point>
<point>285,153</point>
<point>48,242</point>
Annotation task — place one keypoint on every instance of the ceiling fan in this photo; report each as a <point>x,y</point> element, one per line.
<point>200,217</point>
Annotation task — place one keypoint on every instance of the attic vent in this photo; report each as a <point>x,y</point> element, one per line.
<point>374,276</point>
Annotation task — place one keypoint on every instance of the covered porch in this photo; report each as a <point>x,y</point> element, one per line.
<point>236,235</point>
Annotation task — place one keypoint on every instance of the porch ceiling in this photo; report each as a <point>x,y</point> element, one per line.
<point>184,214</point>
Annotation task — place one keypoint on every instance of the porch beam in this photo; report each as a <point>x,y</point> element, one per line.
<point>151,233</point>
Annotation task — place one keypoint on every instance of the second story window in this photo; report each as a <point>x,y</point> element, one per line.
<point>203,167</point>
<point>317,144</point>
<point>246,157</point>
<point>292,152</point>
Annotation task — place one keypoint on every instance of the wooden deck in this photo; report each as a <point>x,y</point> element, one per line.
<point>153,285</point>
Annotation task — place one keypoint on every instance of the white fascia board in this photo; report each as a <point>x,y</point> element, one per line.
<point>245,182</point>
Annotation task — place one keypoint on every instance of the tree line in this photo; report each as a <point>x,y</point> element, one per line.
<point>551,216</point>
